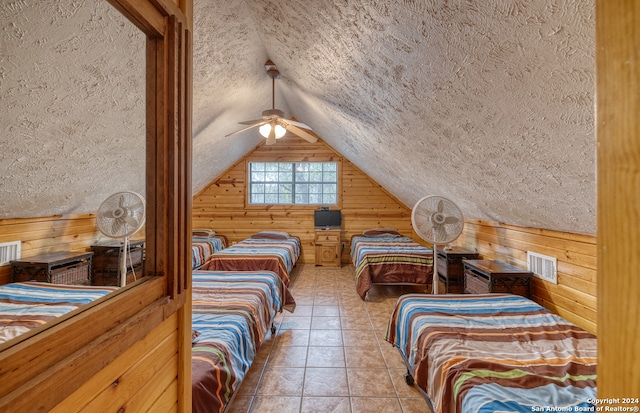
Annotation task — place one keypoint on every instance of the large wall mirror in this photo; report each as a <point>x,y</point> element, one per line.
<point>73,118</point>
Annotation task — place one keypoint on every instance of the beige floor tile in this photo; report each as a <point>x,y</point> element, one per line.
<point>362,338</point>
<point>326,405</point>
<point>325,382</point>
<point>325,323</point>
<point>281,381</point>
<point>288,356</point>
<point>325,311</point>
<point>250,381</point>
<point>292,338</point>
<point>295,323</point>
<point>414,405</point>
<point>392,356</point>
<point>276,404</point>
<point>370,382</point>
<point>375,405</point>
<point>325,338</point>
<point>350,323</point>
<point>364,357</point>
<point>325,357</point>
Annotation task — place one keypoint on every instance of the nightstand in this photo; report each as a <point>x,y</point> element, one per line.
<point>489,276</point>
<point>107,262</point>
<point>61,267</point>
<point>328,247</point>
<point>450,269</point>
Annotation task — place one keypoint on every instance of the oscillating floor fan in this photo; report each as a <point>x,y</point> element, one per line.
<point>120,216</point>
<point>438,221</point>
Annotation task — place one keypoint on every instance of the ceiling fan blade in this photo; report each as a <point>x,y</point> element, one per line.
<point>248,127</point>
<point>250,122</point>
<point>300,132</point>
<point>295,123</point>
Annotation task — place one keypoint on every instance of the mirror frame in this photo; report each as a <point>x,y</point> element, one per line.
<point>55,362</point>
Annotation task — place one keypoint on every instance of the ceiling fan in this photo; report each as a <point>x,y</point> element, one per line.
<point>273,124</point>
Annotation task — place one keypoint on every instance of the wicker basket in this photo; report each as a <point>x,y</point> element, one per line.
<point>76,274</point>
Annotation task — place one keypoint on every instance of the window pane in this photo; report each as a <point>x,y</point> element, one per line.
<point>285,188</point>
<point>315,198</point>
<point>257,188</point>
<point>302,177</point>
<point>329,177</point>
<point>271,199</point>
<point>257,199</point>
<point>330,166</point>
<point>329,199</point>
<point>257,166</point>
<point>285,176</point>
<point>257,177</point>
<point>315,177</point>
<point>271,167</point>
<point>315,188</point>
<point>302,198</point>
<point>328,189</point>
<point>271,188</point>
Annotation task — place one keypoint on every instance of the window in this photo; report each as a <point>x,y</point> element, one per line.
<point>300,183</point>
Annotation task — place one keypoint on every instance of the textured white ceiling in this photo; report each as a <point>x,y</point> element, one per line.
<point>490,104</point>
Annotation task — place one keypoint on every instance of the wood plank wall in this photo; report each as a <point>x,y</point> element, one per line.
<point>48,234</point>
<point>574,297</point>
<point>221,206</point>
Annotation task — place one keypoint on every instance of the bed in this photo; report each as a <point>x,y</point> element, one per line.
<point>265,250</point>
<point>232,313</point>
<point>493,352</point>
<point>384,256</point>
<point>27,305</point>
<point>204,243</point>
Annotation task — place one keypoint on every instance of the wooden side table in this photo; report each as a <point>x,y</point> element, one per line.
<point>450,269</point>
<point>61,267</point>
<point>328,247</point>
<point>489,276</point>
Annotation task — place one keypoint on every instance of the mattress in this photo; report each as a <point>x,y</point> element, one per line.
<point>278,256</point>
<point>387,260</point>
<point>493,352</point>
<point>27,305</point>
<point>232,314</point>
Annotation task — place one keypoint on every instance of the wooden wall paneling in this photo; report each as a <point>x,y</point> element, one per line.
<point>574,297</point>
<point>222,204</point>
<point>105,379</point>
<point>618,145</point>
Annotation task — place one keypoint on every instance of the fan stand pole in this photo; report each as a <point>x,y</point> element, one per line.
<point>123,263</point>
<point>435,269</point>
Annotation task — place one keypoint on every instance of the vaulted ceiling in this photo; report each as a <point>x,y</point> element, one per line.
<point>490,104</point>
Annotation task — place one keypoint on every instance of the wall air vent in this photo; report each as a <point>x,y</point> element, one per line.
<point>9,251</point>
<point>543,266</point>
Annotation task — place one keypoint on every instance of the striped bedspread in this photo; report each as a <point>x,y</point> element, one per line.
<point>203,247</point>
<point>493,352</point>
<point>384,260</point>
<point>232,312</point>
<point>27,305</point>
<point>278,256</point>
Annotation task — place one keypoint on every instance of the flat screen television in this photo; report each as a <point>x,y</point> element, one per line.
<point>327,218</point>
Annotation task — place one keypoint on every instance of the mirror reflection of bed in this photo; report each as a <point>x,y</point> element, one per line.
<point>65,94</point>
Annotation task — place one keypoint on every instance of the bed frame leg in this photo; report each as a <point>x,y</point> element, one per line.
<point>408,378</point>
<point>273,329</point>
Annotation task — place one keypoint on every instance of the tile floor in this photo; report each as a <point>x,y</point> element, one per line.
<point>330,354</point>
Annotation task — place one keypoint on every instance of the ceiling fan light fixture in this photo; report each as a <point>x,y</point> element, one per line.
<point>265,130</point>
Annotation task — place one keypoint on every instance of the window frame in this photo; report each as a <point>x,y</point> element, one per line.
<point>293,182</point>
<point>247,186</point>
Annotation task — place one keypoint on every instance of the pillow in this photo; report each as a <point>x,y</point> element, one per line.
<point>271,235</point>
<point>382,233</point>
<point>198,232</point>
